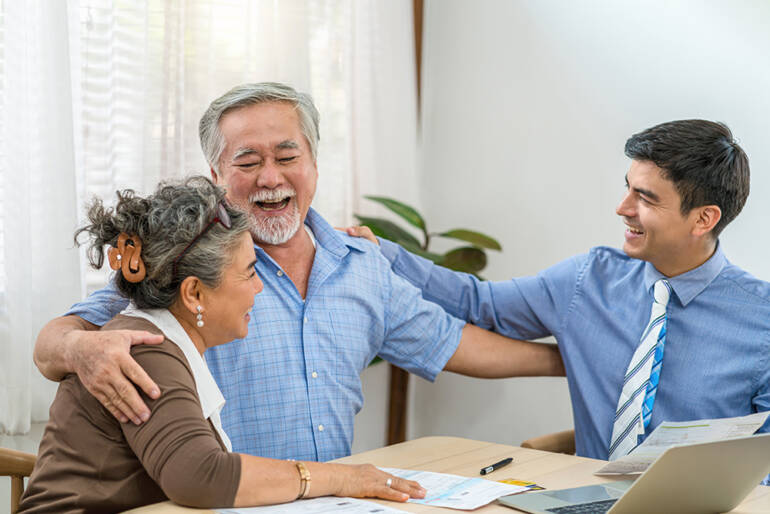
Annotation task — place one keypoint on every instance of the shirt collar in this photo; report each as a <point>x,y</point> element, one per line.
<point>689,285</point>
<point>326,236</point>
<point>209,394</point>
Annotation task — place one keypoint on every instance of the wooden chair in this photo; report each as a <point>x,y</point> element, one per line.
<point>17,465</point>
<point>558,442</point>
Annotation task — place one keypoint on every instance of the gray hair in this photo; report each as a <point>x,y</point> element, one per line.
<point>212,140</point>
<point>166,222</point>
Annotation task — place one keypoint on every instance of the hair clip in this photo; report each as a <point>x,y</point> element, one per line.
<point>127,258</point>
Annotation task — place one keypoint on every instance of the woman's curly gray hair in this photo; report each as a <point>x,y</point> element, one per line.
<point>166,222</point>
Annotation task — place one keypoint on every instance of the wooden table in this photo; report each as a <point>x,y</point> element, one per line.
<point>466,457</point>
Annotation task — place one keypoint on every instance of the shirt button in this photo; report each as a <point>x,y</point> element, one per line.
<point>280,273</point>
<point>305,319</point>
<point>320,428</point>
<point>314,375</point>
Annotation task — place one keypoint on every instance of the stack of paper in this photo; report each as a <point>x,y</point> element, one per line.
<point>454,491</point>
<point>670,433</point>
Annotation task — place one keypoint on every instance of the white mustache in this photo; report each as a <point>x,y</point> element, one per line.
<point>272,195</point>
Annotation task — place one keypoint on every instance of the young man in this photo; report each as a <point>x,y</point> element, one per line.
<point>701,351</point>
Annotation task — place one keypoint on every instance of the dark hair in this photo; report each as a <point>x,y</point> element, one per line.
<point>166,222</point>
<point>703,161</point>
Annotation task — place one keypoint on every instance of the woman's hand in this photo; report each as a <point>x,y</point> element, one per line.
<point>366,481</point>
<point>269,481</point>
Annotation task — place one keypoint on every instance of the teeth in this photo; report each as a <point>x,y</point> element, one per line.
<point>272,205</point>
<point>634,231</point>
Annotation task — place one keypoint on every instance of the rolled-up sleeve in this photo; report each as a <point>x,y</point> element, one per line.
<point>419,336</point>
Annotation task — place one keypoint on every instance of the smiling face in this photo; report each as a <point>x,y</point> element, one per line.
<point>268,169</point>
<point>656,229</point>
<point>227,306</point>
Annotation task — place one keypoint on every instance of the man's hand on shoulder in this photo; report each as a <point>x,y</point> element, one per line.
<point>361,231</point>
<point>103,362</point>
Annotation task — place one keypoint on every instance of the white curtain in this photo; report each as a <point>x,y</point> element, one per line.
<point>40,269</point>
<point>100,95</point>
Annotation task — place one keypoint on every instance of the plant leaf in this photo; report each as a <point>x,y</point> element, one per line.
<point>408,213</point>
<point>468,259</point>
<point>474,238</point>
<point>388,230</point>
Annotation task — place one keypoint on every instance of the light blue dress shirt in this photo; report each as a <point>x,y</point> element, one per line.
<point>717,358</point>
<point>292,386</point>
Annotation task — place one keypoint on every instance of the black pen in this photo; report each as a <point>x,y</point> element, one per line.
<point>496,466</point>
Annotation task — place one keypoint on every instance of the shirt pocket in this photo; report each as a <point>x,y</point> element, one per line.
<point>352,344</point>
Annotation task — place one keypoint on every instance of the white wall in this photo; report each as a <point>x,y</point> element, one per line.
<point>372,422</point>
<point>526,108</point>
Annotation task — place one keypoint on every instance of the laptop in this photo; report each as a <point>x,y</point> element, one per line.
<point>697,478</point>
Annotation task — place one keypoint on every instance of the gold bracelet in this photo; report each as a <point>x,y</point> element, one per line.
<point>304,480</point>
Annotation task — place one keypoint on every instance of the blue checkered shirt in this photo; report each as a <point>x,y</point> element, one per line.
<point>292,385</point>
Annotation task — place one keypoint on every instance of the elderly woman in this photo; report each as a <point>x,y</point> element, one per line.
<point>186,261</point>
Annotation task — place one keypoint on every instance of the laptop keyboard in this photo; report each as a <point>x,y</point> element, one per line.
<point>599,507</point>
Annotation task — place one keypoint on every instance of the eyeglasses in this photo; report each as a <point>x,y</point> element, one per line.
<point>221,216</point>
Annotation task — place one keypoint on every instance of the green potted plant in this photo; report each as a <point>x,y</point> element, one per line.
<point>470,258</point>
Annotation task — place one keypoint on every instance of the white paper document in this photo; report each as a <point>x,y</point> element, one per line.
<point>454,491</point>
<point>324,505</point>
<point>670,433</point>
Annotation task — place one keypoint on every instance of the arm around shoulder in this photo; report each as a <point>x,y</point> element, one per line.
<point>54,345</point>
<point>56,349</point>
<point>101,360</point>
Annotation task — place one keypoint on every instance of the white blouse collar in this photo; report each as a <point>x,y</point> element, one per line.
<point>209,394</point>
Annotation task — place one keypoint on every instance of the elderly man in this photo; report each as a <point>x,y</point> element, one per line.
<point>667,329</point>
<point>330,303</point>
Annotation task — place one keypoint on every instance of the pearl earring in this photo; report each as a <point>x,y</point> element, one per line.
<point>199,317</point>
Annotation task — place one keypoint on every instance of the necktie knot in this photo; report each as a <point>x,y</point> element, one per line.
<point>662,292</point>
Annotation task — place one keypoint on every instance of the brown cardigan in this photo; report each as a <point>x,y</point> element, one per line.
<point>90,462</point>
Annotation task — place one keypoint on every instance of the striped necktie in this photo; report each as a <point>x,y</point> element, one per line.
<point>641,381</point>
